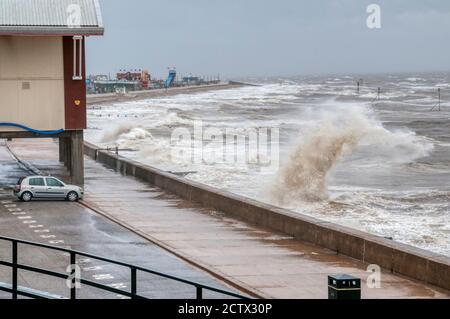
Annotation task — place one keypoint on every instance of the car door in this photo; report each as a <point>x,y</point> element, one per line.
<point>38,187</point>
<point>55,188</point>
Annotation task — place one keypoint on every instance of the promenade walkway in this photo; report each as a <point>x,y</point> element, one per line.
<point>262,262</point>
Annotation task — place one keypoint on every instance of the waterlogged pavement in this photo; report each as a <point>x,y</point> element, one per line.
<point>73,226</point>
<point>268,264</point>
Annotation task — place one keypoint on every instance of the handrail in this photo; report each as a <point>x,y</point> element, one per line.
<point>15,266</point>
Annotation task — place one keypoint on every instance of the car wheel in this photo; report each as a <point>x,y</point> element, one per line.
<point>26,197</point>
<point>72,197</point>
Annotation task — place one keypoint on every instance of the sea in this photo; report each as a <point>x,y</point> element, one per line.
<point>373,156</point>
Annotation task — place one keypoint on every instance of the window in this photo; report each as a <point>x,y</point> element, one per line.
<point>37,182</point>
<point>77,58</point>
<point>53,182</point>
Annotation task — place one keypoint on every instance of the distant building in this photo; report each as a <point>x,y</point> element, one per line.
<point>141,76</point>
<point>113,86</point>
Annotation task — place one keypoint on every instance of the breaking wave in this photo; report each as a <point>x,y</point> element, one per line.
<point>340,132</point>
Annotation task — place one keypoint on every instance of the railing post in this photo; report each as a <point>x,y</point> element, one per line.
<point>199,293</point>
<point>14,270</point>
<point>73,287</point>
<point>133,283</point>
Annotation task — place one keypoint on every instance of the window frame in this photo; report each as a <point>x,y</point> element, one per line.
<point>36,178</point>
<point>55,179</point>
<point>77,58</point>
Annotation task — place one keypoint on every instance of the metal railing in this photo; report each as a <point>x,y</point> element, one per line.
<point>16,291</point>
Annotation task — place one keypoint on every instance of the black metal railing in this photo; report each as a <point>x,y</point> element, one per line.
<point>16,291</point>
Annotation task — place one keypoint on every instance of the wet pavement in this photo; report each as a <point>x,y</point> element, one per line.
<point>268,264</point>
<point>73,226</point>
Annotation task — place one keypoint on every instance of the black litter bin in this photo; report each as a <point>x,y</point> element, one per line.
<point>344,287</point>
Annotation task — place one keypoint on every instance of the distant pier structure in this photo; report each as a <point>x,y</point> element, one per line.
<point>43,72</point>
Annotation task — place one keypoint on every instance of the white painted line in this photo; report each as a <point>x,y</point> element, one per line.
<point>41,231</point>
<point>10,205</point>
<point>19,213</point>
<point>35,226</point>
<point>119,285</point>
<point>84,261</point>
<point>103,277</point>
<point>14,209</point>
<point>93,268</point>
<point>24,217</point>
<point>47,236</point>
<point>29,222</point>
<point>55,242</point>
<point>6,201</point>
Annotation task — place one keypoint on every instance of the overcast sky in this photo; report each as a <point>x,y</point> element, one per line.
<point>271,37</point>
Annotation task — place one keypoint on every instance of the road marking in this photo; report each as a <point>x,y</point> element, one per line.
<point>19,213</point>
<point>6,201</point>
<point>42,231</point>
<point>119,285</point>
<point>35,226</point>
<point>47,236</point>
<point>55,242</point>
<point>93,268</point>
<point>10,205</point>
<point>24,217</point>
<point>14,209</point>
<point>84,261</point>
<point>103,276</point>
<point>29,222</point>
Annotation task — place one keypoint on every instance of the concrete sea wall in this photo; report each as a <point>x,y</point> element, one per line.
<point>401,259</point>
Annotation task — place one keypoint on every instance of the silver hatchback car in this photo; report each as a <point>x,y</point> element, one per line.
<point>46,187</point>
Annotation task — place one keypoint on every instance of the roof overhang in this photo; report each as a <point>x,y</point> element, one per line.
<point>49,18</point>
<point>50,31</point>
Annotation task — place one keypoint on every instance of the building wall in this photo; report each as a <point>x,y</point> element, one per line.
<point>32,82</point>
<point>75,90</point>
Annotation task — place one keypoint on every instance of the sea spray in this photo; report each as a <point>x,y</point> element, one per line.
<point>304,176</point>
<point>338,131</point>
<point>113,134</point>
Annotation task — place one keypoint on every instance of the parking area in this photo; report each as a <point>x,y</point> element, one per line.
<point>73,226</point>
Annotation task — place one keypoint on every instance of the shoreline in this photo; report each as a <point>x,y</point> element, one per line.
<point>100,99</point>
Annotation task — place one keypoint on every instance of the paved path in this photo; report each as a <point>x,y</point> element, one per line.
<point>73,226</point>
<point>269,264</point>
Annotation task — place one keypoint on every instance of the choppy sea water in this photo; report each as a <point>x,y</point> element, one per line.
<point>378,163</point>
